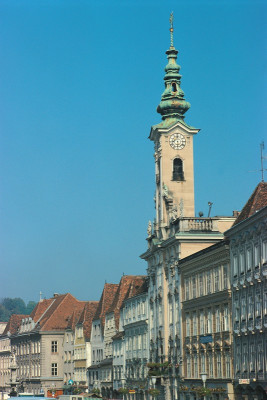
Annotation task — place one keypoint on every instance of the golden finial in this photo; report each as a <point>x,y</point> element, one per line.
<point>171,28</point>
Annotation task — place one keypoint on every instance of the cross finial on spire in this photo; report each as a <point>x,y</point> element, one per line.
<point>171,28</point>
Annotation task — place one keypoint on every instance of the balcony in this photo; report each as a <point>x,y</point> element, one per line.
<point>251,325</point>
<point>198,225</point>
<point>258,323</point>
<point>236,327</point>
<point>249,277</point>
<point>243,326</point>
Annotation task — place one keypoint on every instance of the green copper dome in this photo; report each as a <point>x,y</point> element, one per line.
<point>173,104</point>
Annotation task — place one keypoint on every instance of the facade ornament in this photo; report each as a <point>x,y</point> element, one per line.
<point>149,229</point>
<point>174,212</point>
<point>13,361</point>
<point>181,208</point>
<point>165,191</point>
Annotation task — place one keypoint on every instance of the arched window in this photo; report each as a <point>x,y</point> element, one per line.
<point>178,173</point>
<point>174,87</point>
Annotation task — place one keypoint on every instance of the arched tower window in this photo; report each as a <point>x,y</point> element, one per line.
<point>178,173</point>
<point>174,87</point>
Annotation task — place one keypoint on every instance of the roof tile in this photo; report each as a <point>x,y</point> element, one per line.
<point>257,200</point>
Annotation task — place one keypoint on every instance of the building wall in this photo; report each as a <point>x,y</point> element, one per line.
<point>248,244</point>
<point>206,320</point>
<point>5,353</point>
<point>68,350</point>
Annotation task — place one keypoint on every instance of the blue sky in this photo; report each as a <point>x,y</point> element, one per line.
<point>80,82</point>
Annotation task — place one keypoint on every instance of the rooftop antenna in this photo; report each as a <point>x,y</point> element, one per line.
<point>210,205</point>
<point>262,158</point>
<point>41,296</point>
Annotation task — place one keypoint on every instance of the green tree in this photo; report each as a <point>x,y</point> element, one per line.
<point>9,306</point>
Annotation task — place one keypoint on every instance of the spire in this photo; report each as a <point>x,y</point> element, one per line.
<point>173,104</point>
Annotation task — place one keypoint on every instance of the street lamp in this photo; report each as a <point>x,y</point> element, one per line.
<point>204,378</point>
<point>123,385</point>
<point>154,380</point>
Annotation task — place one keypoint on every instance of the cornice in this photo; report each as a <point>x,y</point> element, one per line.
<point>207,300</point>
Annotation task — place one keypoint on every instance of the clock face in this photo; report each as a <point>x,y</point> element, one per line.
<point>177,141</point>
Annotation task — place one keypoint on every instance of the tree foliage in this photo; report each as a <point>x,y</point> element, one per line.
<point>10,306</point>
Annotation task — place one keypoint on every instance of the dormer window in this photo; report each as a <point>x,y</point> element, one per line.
<point>178,173</point>
<point>174,87</point>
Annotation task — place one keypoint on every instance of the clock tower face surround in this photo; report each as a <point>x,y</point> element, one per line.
<point>177,141</point>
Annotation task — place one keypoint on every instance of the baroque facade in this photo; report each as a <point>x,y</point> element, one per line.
<point>206,322</point>
<point>248,249</point>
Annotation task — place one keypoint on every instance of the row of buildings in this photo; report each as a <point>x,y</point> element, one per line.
<point>204,314</point>
<point>195,325</point>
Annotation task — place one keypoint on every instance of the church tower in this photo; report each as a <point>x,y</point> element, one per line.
<point>173,140</point>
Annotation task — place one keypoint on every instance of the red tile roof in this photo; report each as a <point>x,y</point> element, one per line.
<point>257,200</point>
<point>76,315</point>
<point>86,318</point>
<point>105,302</point>
<point>13,324</point>
<point>129,284</point>
<point>54,314</point>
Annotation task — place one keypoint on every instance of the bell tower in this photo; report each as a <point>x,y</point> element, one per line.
<point>173,140</point>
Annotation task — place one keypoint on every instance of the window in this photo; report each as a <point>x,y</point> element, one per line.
<point>54,346</point>
<point>178,173</point>
<point>225,276</point>
<point>245,357</point>
<point>194,287</point>
<point>209,322</point>
<point>265,302</point>
<point>219,364</point>
<point>257,255</point>
<point>242,263</point>
<point>200,285</point>
<point>187,325</point>
<point>227,364</point>
<point>258,303</point>
<point>195,361</point>
<point>216,279</point>
<point>249,259</point>
<point>217,319</point>
<point>252,357</point>
<point>237,359</point>
<point>235,266</point>
<point>188,365</point>
<point>243,308</point>
<point>208,282</point>
<point>174,87</point>
<point>225,320</point>
<point>194,323</point>
<point>187,289</point>
<point>264,251</point>
<point>250,306</point>
<point>54,369</point>
<point>210,364</point>
<point>202,324</point>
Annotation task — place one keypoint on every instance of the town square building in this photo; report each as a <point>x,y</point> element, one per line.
<point>206,323</point>
<point>248,251</point>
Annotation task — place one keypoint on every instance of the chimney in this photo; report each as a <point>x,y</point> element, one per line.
<point>236,213</point>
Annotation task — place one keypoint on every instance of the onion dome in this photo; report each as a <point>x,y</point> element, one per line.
<point>173,104</point>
